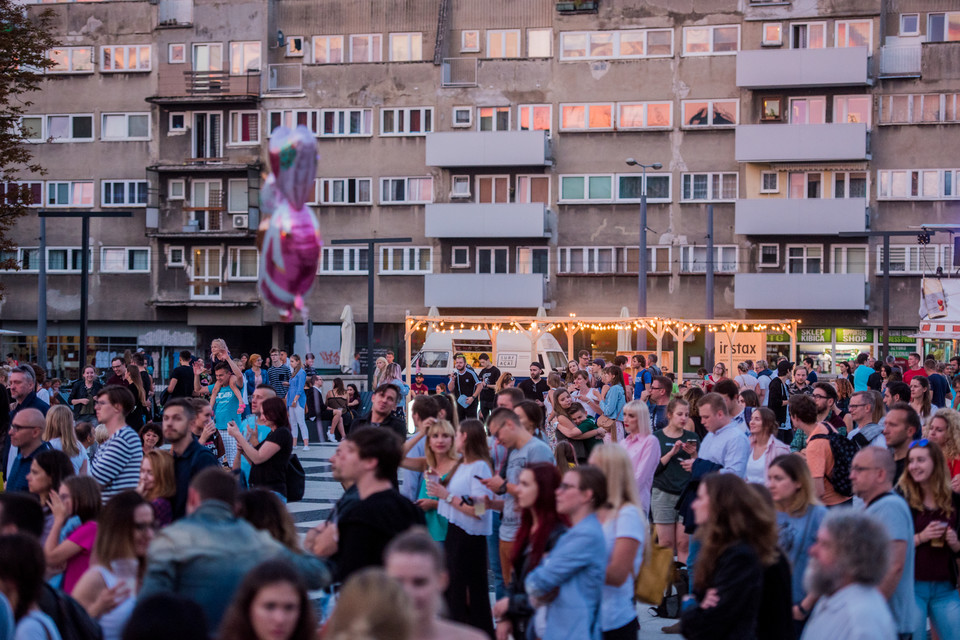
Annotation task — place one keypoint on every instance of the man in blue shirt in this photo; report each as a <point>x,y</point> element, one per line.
<point>26,431</point>
<point>225,400</point>
<point>725,443</point>
<point>252,423</point>
<point>862,373</point>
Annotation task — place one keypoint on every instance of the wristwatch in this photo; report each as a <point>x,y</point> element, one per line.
<point>449,498</point>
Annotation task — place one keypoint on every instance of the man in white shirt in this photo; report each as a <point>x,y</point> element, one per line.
<point>725,444</point>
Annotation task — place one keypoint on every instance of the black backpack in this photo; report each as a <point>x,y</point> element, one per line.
<point>296,479</point>
<point>72,620</point>
<point>673,596</point>
<point>843,451</point>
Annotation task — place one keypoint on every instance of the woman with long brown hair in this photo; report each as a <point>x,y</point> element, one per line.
<point>944,429</point>
<point>270,604</point>
<point>138,416</point>
<point>268,459</point>
<point>158,485</point>
<point>920,397</point>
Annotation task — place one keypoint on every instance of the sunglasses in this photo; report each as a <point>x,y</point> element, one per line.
<point>920,443</point>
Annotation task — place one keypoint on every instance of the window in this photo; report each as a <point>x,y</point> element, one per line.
<point>849,259</point>
<point>470,41</point>
<point>27,258</point>
<point>177,53</point>
<point>67,260</point>
<point>852,109</point>
<point>411,121</point>
<point>70,128</point>
<point>462,117</point>
<point>406,260</point>
<point>533,260</point>
<point>125,260</point>
<point>711,40</point>
<point>177,122</point>
<point>125,126</point>
<point>460,257</point>
<point>125,58</point>
<point>808,35</point>
<point>927,108</point>
<point>292,118</point>
<point>176,189</point>
<point>854,33</point>
<point>340,123</point>
<point>343,261</point>
<point>943,27</point>
<point>804,184</point>
<point>493,260</point>
<point>918,184</point>
<point>327,49</point>
<point>539,43</point>
<point>295,46</point>
<point>772,34</point>
<point>630,188</point>
<point>536,117</point>
<point>644,115</point>
<point>658,259</point>
<point>207,205</point>
<point>910,24</point>
<point>244,263</point>
<point>693,259</point>
<point>586,117</point>
<point>117,193</point>
<point>586,188</point>
<point>238,200</point>
<point>533,189</point>
<point>493,118</point>
<point>206,274</point>
<point>911,259</point>
<point>176,256</point>
<point>587,260</point>
<point>850,184</point>
<point>771,109</point>
<point>71,60</point>
<point>769,182</point>
<point>708,187</point>
<point>503,43</point>
<point>406,47</point>
<point>805,258</point>
<point>769,256</point>
<point>406,190</point>
<point>710,113</point>
<point>244,58</point>
<point>208,56</point>
<point>366,48</point>
<point>28,193</point>
<point>493,189</point>
<point>608,45</point>
<point>339,191</point>
<point>244,128</point>
<point>808,110</point>
<point>31,128</point>
<point>70,194</point>
<point>460,187</point>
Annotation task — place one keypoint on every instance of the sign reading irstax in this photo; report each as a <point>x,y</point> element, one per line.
<point>745,346</point>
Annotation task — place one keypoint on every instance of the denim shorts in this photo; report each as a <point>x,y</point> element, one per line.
<point>663,505</point>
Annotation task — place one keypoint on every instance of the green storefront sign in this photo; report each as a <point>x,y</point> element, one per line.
<point>855,336</point>
<point>902,336</point>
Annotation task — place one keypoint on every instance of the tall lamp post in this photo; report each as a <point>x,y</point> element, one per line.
<point>642,276</point>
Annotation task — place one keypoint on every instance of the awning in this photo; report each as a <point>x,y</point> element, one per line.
<point>932,330</point>
<point>835,166</point>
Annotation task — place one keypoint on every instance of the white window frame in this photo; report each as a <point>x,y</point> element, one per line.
<point>71,256</point>
<point>171,262</point>
<point>127,256</point>
<point>233,263</point>
<point>127,49</point>
<point>295,47</point>
<point>183,189</point>
<point>498,109</point>
<point>126,193</point>
<point>688,265</point>
<point>586,188</point>
<point>127,116</point>
<point>375,46</point>
<point>522,192</point>
<point>710,184</point>
<point>836,32</point>
<point>807,99</point>
<point>177,58</point>
<point>387,267</point>
<point>171,130</point>
<point>710,112</point>
<point>402,115</point>
<point>776,178</point>
<point>71,116</point>
<point>821,24</point>
<point>846,184</point>
<point>414,49</point>
<point>228,201</point>
<point>913,259</point>
<point>329,184</point>
<point>538,31</point>
<point>587,106</point>
<point>341,127</point>
<point>467,48</point>
<point>290,118</point>
<point>454,264</point>
<point>494,250</point>
<point>457,184</point>
<point>208,286</point>
<point>914,32</point>
<point>73,64</point>
<point>760,263</point>
<point>946,184</point>
<point>231,141</point>
<point>4,186</point>
<point>495,179</point>
<point>843,265</point>
<point>20,251</point>
<point>588,255</point>
<point>616,37</point>
<point>947,15</point>
<point>646,106</point>
<point>42,135</point>
<point>821,180</point>
<point>532,109</point>
<point>406,190</point>
<point>947,103</point>
<point>351,256</point>
<point>504,34</point>
<point>650,175</point>
<point>525,265</point>
<point>327,40</point>
<point>841,108</point>
<point>788,259</point>
<point>764,41</point>
<point>712,44</point>
<point>245,65</point>
<point>461,125</point>
<point>72,186</point>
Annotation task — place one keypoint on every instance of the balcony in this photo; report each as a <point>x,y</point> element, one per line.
<point>801,142</point>
<point>472,220</point>
<point>284,78</point>
<point>800,291</point>
<point>800,216</point>
<point>459,72</point>
<point>901,61</point>
<point>488,149</point>
<point>783,68</point>
<point>572,7</point>
<point>483,290</point>
<point>197,87</point>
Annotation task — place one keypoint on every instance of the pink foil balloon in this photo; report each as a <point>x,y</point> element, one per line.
<point>291,241</point>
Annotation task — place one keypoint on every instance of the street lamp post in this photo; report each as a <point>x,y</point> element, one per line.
<point>642,275</point>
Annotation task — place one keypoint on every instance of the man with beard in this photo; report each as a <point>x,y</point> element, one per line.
<point>535,386</point>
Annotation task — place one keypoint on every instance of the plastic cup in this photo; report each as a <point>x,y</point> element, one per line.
<point>125,570</point>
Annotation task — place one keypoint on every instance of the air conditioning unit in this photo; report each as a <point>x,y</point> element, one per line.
<point>240,221</point>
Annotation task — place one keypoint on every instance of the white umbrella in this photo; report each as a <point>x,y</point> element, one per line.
<point>432,313</point>
<point>623,335</point>
<point>348,339</point>
<point>541,312</point>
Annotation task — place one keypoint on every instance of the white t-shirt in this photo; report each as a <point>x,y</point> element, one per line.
<point>757,469</point>
<point>617,608</point>
<point>591,393</point>
<point>746,381</point>
<point>763,384</point>
<point>463,483</point>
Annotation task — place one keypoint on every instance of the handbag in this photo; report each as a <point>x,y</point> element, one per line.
<point>656,572</point>
<point>296,479</point>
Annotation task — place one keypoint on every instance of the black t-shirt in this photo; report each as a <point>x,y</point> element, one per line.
<point>464,383</point>
<point>368,527</point>
<point>184,377</point>
<point>489,377</point>
<point>272,474</point>
<point>534,390</point>
<point>147,380</point>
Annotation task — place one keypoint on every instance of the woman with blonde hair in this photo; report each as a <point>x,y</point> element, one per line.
<point>371,606</point>
<point>944,429</point>
<point>505,381</point>
<point>625,530</point>
<point>158,484</point>
<point>439,461</point>
<point>59,432</point>
<point>379,371</point>
<point>642,448</point>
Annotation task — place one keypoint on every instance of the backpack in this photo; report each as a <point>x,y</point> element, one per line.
<point>670,607</point>
<point>70,618</point>
<point>296,479</point>
<point>843,451</point>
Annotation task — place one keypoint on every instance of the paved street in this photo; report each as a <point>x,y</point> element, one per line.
<point>322,492</point>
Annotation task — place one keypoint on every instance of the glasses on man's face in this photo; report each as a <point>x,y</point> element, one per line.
<point>566,485</point>
<point>102,403</point>
<point>920,443</point>
<point>820,396</point>
<point>857,406</point>
<point>21,427</point>
<point>655,388</point>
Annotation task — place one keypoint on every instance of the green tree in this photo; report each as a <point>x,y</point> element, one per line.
<point>24,41</point>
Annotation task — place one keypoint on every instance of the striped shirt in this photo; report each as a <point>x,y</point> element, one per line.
<point>276,376</point>
<point>117,463</point>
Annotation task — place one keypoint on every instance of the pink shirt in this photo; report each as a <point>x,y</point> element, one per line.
<point>83,536</point>
<point>644,452</point>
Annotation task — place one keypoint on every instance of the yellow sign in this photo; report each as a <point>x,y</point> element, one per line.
<point>746,346</point>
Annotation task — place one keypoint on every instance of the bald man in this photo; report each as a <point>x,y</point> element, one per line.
<point>26,430</point>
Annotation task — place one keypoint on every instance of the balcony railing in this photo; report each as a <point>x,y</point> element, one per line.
<point>208,84</point>
<point>900,60</point>
<point>284,77</point>
<point>207,217</point>
<point>459,72</point>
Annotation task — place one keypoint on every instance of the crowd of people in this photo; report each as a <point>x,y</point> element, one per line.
<point>793,506</point>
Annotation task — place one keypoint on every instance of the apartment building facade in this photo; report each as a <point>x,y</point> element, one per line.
<point>494,135</point>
